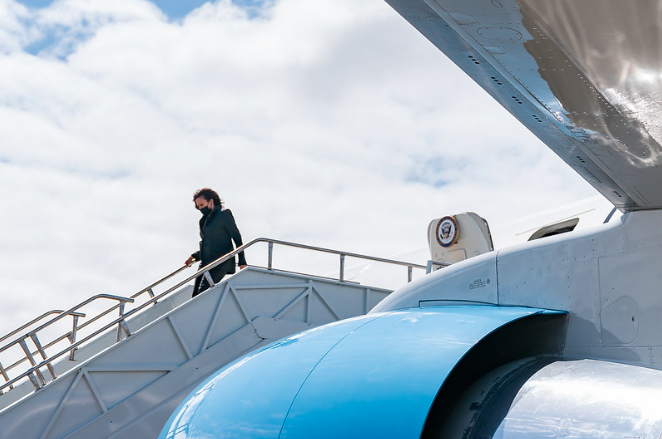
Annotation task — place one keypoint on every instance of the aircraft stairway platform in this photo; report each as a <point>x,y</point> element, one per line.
<point>121,373</point>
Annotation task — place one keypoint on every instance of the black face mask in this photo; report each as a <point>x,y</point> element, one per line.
<point>205,210</point>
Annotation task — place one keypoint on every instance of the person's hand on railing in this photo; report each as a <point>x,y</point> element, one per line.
<point>189,261</point>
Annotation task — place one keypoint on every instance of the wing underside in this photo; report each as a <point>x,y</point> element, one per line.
<point>584,76</point>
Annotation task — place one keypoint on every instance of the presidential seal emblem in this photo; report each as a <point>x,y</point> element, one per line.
<point>447,231</point>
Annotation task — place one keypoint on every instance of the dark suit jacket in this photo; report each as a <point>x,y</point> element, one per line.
<point>217,230</point>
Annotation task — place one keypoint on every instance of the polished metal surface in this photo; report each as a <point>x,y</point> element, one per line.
<point>584,76</point>
<point>542,398</point>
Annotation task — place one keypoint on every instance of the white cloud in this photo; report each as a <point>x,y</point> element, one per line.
<point>331,123</point>
<point>13,33</point>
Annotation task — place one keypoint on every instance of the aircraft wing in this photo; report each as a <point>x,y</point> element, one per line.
<point>584,76</point>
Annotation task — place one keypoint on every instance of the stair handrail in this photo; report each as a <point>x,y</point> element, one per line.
<point>47,361</point>
<point>149,290</point>
<point>30,323</point>
<point>342,255</point>
<point>61,315</point>
<point>71,335</point>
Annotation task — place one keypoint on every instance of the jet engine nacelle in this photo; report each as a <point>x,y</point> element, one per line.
<point>440,372</point>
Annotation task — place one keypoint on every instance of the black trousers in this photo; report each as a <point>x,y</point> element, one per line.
<point>217,274</point>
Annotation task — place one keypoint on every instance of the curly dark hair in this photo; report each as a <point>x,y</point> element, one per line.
<point>208,194</point>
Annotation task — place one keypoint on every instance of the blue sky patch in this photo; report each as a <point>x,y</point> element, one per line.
<point>53,42</point>
<point>174,9</point>
<point>60,41</point>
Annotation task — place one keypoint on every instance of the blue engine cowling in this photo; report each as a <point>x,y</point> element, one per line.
<point>397,374</point>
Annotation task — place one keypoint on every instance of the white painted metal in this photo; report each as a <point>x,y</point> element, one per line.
<point>128,389</point>
<point>473,239</point>
<point>607,278</point>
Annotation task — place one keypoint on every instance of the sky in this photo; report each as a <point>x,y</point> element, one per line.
<point>331,123</point>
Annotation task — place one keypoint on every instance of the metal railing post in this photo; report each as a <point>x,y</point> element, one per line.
<point>270,256</point>
<point>121,325</point>
<point>72,336</point>
<point>150,293</point>
<point>342,267</point>
<point>209,279</point>
<point>42,352</point>
<point>410,269</point>
<point>37,372</point>
<point>6,377</point>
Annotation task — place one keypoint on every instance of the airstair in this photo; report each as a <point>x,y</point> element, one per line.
<point>116,367</point>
